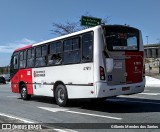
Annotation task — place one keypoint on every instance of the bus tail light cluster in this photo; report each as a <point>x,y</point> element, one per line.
<point>102,73</point>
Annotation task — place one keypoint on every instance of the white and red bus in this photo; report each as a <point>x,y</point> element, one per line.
<point>98,62</point>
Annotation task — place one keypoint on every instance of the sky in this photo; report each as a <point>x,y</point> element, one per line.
<point>24,22</point>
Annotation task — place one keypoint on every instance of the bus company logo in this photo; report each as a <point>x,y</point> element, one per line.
<point>87,68</point>
<point>39,74</point>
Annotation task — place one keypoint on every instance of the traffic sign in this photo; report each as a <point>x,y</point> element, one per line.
<point>90,21</point>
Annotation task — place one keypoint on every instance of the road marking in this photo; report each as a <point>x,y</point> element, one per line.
<point>53,109</point>
<point>150,93</point>
<point>80,113</point>
<point>116,118</point>
<point>17,118</point>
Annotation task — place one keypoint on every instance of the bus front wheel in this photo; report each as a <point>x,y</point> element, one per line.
<point>24,93</point>
<point>61,95</point>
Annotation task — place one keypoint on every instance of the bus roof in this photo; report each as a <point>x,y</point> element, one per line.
<point>67,36</point>
<point>26,47</point>
<point>57,38</point>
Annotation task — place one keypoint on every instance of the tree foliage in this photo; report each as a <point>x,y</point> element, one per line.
<point>63,29</point>
<point>60,29</point>
<point>4,70</point>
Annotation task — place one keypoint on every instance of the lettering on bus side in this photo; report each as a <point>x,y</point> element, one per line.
<point>86,68</point>
<point>39,73</point>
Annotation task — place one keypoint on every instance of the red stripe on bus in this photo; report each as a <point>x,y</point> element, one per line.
<point>26,47</point>
<point>25,76</point>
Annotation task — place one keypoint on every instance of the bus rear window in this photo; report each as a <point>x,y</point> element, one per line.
<point>122,38</point>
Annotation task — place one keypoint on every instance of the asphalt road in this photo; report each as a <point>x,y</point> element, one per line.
<point>138,108</point>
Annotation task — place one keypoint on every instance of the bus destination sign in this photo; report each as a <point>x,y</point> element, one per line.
<point>90,21</point>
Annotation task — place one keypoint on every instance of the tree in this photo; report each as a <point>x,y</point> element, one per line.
<point>1,70</point>
<point>63,29</point>
<point>70,27</point>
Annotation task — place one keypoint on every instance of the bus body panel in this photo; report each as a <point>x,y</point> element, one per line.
<point>134,67</point>
<point>75,92</point>
<point>73,76</point>
<point>24,76</point>
<point>15,83</point>
<point>99,59</point>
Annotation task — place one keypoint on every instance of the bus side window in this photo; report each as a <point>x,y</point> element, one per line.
<point>30,58</point>
<point>15,62</point>
<point>41,53</point>
<point>71,51</point>
<point>22,63</point>
<point>55,54</point>
<point>87,47</point>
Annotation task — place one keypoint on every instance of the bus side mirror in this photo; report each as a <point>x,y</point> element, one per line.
<point>109,64</point>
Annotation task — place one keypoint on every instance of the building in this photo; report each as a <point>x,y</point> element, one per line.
<point>152,51</point>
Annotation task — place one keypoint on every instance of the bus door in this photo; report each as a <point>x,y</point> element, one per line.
<point>14,73</point>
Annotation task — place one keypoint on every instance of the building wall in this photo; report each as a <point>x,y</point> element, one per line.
<point>152,51</point>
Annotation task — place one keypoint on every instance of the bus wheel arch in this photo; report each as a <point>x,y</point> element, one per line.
<point>20,86</point>
<point>60,93</point>
<point>23,91</point>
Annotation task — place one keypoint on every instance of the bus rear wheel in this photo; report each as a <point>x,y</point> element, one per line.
<point>24,93</point>
<point>61,95</point>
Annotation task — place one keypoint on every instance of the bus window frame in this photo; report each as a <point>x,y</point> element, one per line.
<point>127,28</point>
<point>23,60</point>
<point>40,57</point>
<point>30,58</point>
<point>51,54</point>
<point>79,36</point>
<point>72,50</point>
<point>16,54</point>
<point>91,60</point>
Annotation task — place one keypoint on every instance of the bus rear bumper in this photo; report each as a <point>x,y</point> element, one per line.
<point>103,90</point>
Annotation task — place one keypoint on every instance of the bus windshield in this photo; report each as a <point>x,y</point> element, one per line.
<point>121,38</point>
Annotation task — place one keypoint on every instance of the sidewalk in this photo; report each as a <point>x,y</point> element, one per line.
<point>153,72</point>
<point>152,82</point>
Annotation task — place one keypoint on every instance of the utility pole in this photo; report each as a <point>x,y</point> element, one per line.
<point>147,39</point>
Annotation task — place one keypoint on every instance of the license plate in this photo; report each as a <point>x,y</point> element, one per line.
<point>125,88</point>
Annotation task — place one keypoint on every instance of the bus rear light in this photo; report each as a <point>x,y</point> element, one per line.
<point>102,73</point>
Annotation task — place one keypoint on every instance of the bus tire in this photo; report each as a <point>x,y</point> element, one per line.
<point>61,95</point>
<point>24,93</point>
